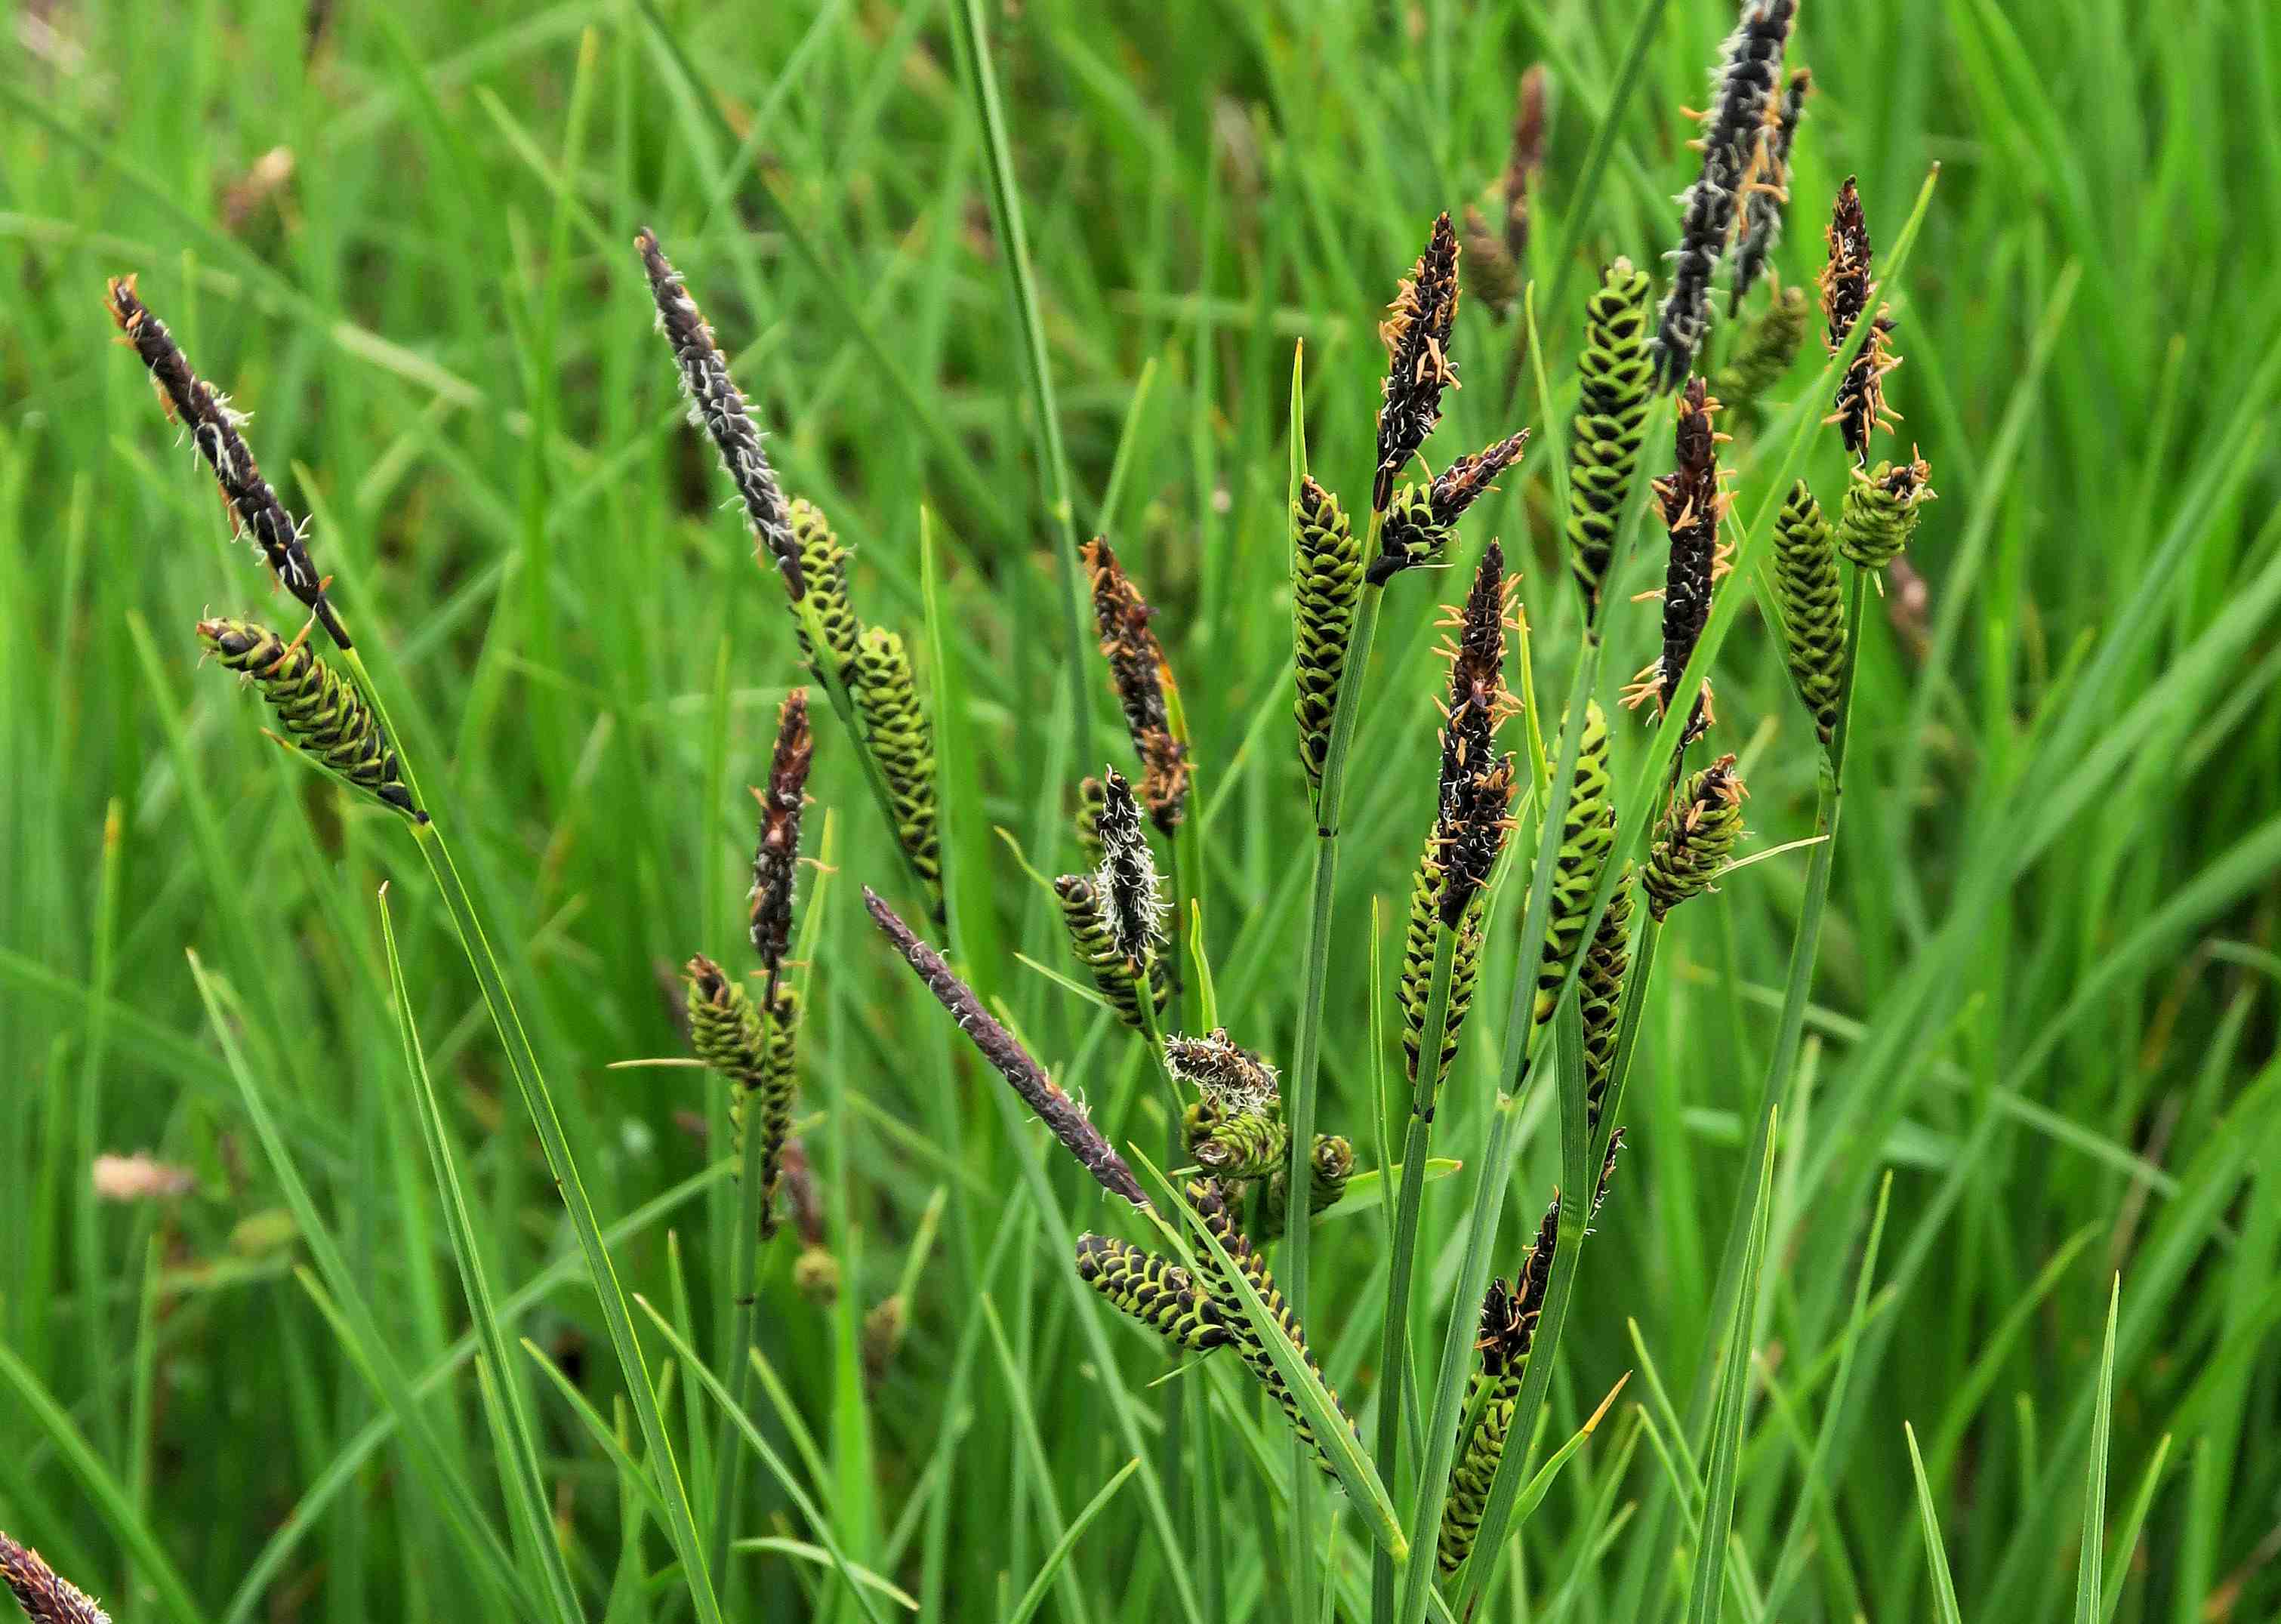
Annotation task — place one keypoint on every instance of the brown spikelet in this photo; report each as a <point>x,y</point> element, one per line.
<point>1476,785</point>
<point>1849,293</point>
<point>1139,676</point>
<point>775,856</point>
<point>45,1596</point>
<point>1416,333</point>
<point>1693,505</point>
<point>255,512</point>
<point>1524,161</point>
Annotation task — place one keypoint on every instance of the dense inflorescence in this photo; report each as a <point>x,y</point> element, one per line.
<point>322,712</point>
<point>1140,677</point>
<point>1695,839</point>
<point>1813,610</point>
<point>1615,378</point>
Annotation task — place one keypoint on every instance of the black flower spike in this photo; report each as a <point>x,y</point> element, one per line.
<point>1416,333</point>
<point>1742,90</point>
<point>45,1596</point>
<point>1767,188</point>
<point>322,714</point>
<point>255,511</point>
<point>1061,1115</point>
<point>1475,786</point>
<point>1234,1080</point>
<point>1139,674</point>
<point>775,855</point>
<point>1117,977</point>
<point>1420,524</point>
<point>1492,1390</point>
<point>718,406</point>
<point>1849,293</point>
<point>1131,900</point>
<point>1693,506</point>
<point>1600,996</point>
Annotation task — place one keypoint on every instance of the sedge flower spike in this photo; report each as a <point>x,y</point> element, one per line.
<point>1765,350</point>
<point>755,1058</point>
<point>1615,379</point>
<point>1508,1328</point>
<point>776,855</point>
<point>1125,885</point>
<point>1063,1117</point>
<point>1140,677</point>
<point>1693,505</point>
<point>322,712</point>
<point>823,568</point>
<point>1117,977</point>
<point>1767,188</point>
<point>45,1596</point>
<point>1881,510</point>
<point>1849,294</point>
<point>1422,522</point>
<point>717,406</point>
<point>1326,573</point>
<point>1155,1292</point>
<point>1330,1165</point>
<point>903,741</point>
<point>1695,839</point>
<point>1813,608</point>
<point>1587,834</point>
<point>255,512</point>
<point>1416,333</point>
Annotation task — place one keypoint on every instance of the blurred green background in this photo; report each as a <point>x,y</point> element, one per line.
<point>400,236</point>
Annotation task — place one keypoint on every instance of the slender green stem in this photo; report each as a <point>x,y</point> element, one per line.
<point>744,1275</point>
<point>681,1524</point>
<point>1393,1340</point>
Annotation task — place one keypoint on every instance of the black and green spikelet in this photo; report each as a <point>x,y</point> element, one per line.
<point>323,714</point>
<point>1812,612</point>
<point>1615,383</point>
<point>903,743</point>
<point>1326,581</point>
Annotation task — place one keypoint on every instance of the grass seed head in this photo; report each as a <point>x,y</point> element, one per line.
<point>1813,608</point>
<point>1327,577</point>
<point>1416,333</point>
<point>1155,1292</point>
<point>1849,293</point>
<point>1418,949</point>
<point>824,571</point>
<point>717,406</point>
<point>1063,1117</point>
<point>1117,977</point>
<point>1587,834</point>
<point>1766,188</point>
<point>255,512</point>
<point>1697,836</point>
<point>1614,373</point>
<point>776,855</point>
<point>902,742</point>
<point>1881,510</point>
<point>1765,350</point>
<point>322,714</point>
<point>1130,896</point>
<point>1139,676</point>
<point>45,1596</point>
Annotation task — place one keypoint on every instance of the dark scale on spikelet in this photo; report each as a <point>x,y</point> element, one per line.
<point>756,1058</point>
<point>1813,609</point>
<point>1139,675</point>
<point>1061,1115</point>
<point>1421,524</point>
<point>1741,92</point>
<point>1508,1328</point>
<point>824,567</point>
<point>323,714</point>
<point>776,855</point>
<point>1326,581</point>
<point>1475,785</point>
<point>1125,885</point>
<point>1588,833</point>
<point>1607,1175</point>
<point>1695,839</point>
<point>1417,947</point>
<point>1211,1209</point>
<point>1767,190</point>
<point>717,406</point>
<point>1881,510</point>
<point>1693,506</point>
<point>1329,1168</point>
<point>1600,995</point>
<point>887,698</point>
<point>1416,333</point>
<point>1849,293</point>
<point>1117,977</point>
<point>1764,352</point>
<point>1614,377</point>
<point>1241,1133</point>
<point>45,1596</point>
<point>255,512</point>
<point>1154,1291</point>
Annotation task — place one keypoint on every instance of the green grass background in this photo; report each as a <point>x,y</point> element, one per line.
<point>2042,1034</point>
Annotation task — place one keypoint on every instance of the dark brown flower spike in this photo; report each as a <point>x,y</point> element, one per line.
<point>1420,524</point>
<point>1766,189</point>
<point>1416,333</point>
<point>1139,676</point>
<point>1849,293</point>
<point>45,1596</point>
<point>1063,1115</point>
<point>776,857</point>
<point>717,406</point>
<point>1693,506</point>
<point>1234,1080</point>
<point>255,511</point>
<point>1476,783</point>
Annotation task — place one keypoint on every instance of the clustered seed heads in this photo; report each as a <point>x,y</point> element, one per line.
<point>1235,1080</point>
<point>1849,293</point>
<point>1061,1115</point>
<point>1155,1291</point>
<point>717,406</point>
<point>1695,839</point>
<point>1768,190</point>
<point>1693,506</point>
<point>823,568</point>
<point>45,1596</point>
<point>1881,510</point>
<point>323,714</point>
<point>1733,133</point>
<point>1813,611</point>
<point>775,855</point>
<point>1330,1165</point>
<point>1765,350</point>
<point>255,511</point>
<point>1587,834</point>
<point>903,741</point>
<point>1138,673</point>
<point>1326,579</point>
<point>1116,976</point>
<point>756,1058</point>
<point>1416,333</point>
<point>1614,373</point>
<point>1130,896</point>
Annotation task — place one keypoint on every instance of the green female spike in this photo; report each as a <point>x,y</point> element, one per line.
<point>1509,1314</point>
<point>1155,1291</point>
<point>1600,994</point>
<point>756,1060</point>
<point>1116,975</point>
<point>1697,836</point>
<point>1615,378</point>
<point>323,715</point>
<point>1326,582</point>
<point>1244,1145</point>
<point>1765,350</point>
<point>824,563</point>
<point>1329,1167</point>
<point>887,696</point>
<point>1882,508</point>
<point>1813,610</point>
<point>1418,961</point>
<point>1587,835</point>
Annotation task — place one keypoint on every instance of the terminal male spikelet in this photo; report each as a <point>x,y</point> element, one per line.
<point>255,512</point>
<point>775,853</point>
<point>1693,505</point>
<point>1118,978</point>
<point>45,1596</point>
<point>1768,190</point>
<point>1849,294</point>
<point>322,713</point>
<point>1614,377</point>
<point>1416,333</point>
<point>1600,996</point>
<point>1139,676</point>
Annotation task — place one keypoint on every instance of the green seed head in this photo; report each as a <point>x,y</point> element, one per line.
<point>1117,976</point>
<point>1615,378</point>
<point>887,696</point>
<point>1882,508</point>
<point>1765,350</point>
<point>1155,1291</point>
<point>1417,947</point>
<point>1326,579</point>
<point>1587,835</point>
<point>1813,611</point>
<point>816,1274</point>
<point>824,563</point>
<point>1600,993</point>
<point>1410,538</point>
<point>323,714</point>
<point>1695,838</point>
<point>1328,1169</point>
